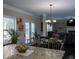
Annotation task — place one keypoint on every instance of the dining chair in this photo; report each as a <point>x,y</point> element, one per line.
<point>44,42</point>
<point>55,43</point>
<point>35,41</point>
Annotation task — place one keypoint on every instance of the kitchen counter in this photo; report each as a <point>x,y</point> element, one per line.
<point>39,53</point>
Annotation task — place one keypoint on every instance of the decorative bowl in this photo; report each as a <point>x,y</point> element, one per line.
<point>21,48</point>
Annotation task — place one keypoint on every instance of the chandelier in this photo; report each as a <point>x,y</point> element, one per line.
<point>50,21</point>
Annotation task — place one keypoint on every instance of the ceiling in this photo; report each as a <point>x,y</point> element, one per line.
<point>60,9</point>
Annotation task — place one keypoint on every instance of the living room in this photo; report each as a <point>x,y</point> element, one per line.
<point>40,24</point>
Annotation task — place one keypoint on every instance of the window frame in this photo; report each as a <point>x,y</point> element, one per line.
<point>6,41</point>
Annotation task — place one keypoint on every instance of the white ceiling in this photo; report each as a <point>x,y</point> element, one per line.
<point>60,9</point>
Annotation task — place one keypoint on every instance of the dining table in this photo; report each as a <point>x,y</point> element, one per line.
<point>9,52</point>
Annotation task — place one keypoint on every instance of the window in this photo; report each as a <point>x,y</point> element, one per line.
<point>8,23</point>
<point>29,31</point>
<point>32,29</point>
<point>49,27</point>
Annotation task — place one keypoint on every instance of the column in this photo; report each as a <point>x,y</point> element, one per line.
<point>44,25</point>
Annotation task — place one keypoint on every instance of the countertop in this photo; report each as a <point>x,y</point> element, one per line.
<point>39,53</point>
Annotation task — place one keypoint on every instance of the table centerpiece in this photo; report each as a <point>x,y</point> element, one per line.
<point>21,48</point>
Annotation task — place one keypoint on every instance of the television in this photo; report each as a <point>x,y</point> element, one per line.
<point>71,22</point>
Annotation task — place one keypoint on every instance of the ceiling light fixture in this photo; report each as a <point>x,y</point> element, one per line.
<point>50,21</point>
<point>54,21</point>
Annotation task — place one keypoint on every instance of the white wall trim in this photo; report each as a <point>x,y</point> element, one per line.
<point>6,6</point>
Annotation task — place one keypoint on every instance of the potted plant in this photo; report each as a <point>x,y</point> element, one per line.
<point>14,36</point>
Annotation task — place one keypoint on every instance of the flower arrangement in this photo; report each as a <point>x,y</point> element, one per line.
<point>21,48</point>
